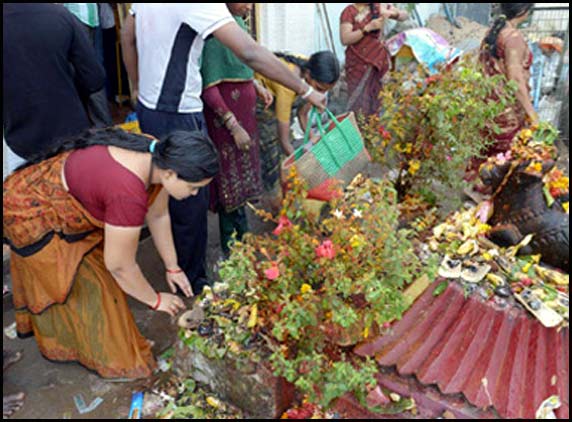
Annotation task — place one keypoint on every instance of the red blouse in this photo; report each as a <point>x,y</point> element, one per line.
<point>109,191</point>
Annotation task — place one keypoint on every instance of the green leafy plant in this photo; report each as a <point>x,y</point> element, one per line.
<point>313,287</point>
<point>432,127</point>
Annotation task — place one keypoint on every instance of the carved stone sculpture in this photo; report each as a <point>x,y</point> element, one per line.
<point>521,208</point>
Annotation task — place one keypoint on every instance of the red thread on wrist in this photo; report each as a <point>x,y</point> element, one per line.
<point>158,302</point>
<point>179,271</point>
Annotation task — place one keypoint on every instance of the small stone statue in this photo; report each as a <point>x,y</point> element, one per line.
<point>521,208</point>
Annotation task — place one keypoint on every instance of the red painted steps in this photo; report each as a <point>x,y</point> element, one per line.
<point>499,358</point>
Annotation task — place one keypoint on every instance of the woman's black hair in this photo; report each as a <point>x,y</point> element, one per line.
<point>509,11</point>
<point>323,66</point>
<point>191,155</point>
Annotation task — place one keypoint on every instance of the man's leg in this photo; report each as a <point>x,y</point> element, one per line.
<point>230,224</point>
<point>189,220</point>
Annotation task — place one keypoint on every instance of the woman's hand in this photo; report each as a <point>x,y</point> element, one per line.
<point>374,25</point>
<point>179,278</point>
<point>288,149</point>
<point>318,99</point>
<point>241,138</point>
<point>264,95</point>
<point>315,137</point>
<point>171,304</point>
<point>392,12</point>
<point>533,119</point>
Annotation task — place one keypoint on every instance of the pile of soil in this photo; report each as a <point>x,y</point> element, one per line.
<point>455,36</point>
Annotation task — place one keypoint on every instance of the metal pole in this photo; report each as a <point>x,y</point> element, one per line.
<point>564,55</point>
<point>330,32</point>
<point>321,15</point>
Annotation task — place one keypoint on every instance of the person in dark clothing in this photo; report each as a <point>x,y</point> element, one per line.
<point>96,103</point>
<point>49,64</point>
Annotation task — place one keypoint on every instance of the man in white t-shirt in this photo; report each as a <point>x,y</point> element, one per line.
<point>162,45</point>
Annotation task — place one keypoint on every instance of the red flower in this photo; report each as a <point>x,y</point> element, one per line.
<point>384,133</point>
<point>432,79</point>
<point>526,282</point>
<point>283,224</point>
<point>557,192</point>
<point>326,250</point>
<point>273,272</point>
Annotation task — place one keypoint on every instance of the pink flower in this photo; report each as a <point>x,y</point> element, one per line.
<point>283,224</point>
<point>273,272</point>
<point>503,158</point>
<point>449,158</point>
<point>326,250</point>
<point>485,211</point>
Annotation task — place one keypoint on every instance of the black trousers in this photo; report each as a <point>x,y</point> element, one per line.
<point>189,220</point>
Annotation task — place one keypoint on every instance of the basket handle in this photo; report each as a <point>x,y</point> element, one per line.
<point>313,114</point>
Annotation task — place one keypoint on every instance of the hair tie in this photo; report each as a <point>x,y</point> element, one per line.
<point>152,146</point>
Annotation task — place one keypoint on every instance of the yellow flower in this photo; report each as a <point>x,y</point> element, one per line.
<point>253,319</point>
<point>483,228</point>
<point>293,172</point>
<point>306,288</point>
<point>414,167</point>
<point>526,134</point>
<point>561,184</point>
<point>565,206</point>
<point>535,167</point>
<point>357,241</point>
<point>409,148</point>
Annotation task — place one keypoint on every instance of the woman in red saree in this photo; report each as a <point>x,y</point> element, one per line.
<point>504,51</point>
<point>73,220</point>
<point>367,58</point>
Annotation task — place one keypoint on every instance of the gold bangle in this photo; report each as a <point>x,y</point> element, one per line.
<point>227,116</point>
<point>307,94</point>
